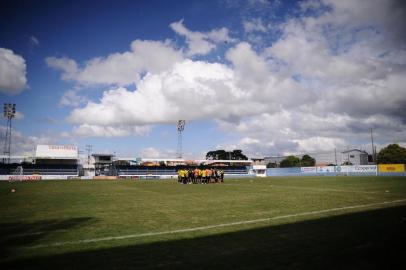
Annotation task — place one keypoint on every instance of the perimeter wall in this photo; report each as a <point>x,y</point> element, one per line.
<point>381,170</point>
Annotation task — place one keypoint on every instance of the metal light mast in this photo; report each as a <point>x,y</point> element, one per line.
<point>181,127</point>
<point>9,114</point>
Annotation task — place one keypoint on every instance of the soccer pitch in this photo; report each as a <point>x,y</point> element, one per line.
<point>248,223</point>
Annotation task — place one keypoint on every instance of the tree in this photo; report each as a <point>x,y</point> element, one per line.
<point>216,155</point>
<point>392,154</point>
<point>271,165</point>
<point>307,161</point>
<point>238,155</point>
<point>290,161</point>
<point>347,163</point>
<point>224,155</point>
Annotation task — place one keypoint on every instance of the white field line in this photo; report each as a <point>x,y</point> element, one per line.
<point>202,228</point>
<point>312,189</point>
<point>326,189</point>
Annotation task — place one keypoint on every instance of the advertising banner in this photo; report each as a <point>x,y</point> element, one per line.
<point>326,169</point>
<point>56,151</point>
<point>391,168</point>
<point>21,177</point>
<point>308,169</point>
<point>363,169</point>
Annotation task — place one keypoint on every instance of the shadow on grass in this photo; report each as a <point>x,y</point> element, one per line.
<point>21,234</point>
<point>369,240</point>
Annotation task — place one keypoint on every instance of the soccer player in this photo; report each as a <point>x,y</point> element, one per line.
<point>203,176</point>
<point>196,175</point>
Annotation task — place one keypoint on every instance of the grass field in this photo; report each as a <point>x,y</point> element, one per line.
<point>278,223</point>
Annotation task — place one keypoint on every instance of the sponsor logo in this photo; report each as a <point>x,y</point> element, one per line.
<point>391,168</point>
<point>25,177</point>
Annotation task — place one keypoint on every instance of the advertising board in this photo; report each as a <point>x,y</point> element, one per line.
<point>308,169</point>
<point>23,177</point>
<point>391,168</point>
<point>325,169</point>
<point>56,151</point>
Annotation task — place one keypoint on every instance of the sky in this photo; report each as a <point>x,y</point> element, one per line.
<point>268,77</point>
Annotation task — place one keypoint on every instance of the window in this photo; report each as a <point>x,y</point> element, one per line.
<point>352,156</point>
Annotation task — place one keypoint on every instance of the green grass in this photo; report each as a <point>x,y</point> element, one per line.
<point>43,213</point>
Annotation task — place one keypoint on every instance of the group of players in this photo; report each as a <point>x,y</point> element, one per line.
<point>200,176</point>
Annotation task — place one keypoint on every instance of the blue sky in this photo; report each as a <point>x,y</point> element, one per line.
<point>268,77</point>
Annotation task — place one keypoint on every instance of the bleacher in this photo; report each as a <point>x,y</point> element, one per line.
<point>36,169</point>
<point>172,170</point>
<point>7,169</point>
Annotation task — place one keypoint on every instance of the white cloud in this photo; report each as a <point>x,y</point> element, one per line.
<point>254,25</point>
<point>19,115</point>
<point>194,90</point>
<point>191,90</point>
<point>13,78</point>
<point>201,43</point>
<point>322,85</point>
<point>152,152</point>
<point>24,145</point>
<point>119,68</point>
<point>86,130</point>
<point>71,98</point>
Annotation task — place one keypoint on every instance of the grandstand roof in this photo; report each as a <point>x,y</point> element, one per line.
<point>56,152</point>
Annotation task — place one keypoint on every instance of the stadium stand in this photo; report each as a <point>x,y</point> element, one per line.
<point>36,169</point>
<point>123,170</point>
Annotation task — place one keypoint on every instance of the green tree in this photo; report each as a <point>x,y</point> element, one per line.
<point>224,155</point>
<point>290,161</point>
<point>271,165</point>
<point>238,155</point>
<point>307,161</point>
<point>392,154</point>
<point>347,163</point>
<point>216,155</point>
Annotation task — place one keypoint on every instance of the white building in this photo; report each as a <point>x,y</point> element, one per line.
<point>355,157</point>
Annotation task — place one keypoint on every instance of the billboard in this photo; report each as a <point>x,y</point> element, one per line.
<point>325,169</point>
<point>56,151</point>
<point>391,168</point>
<point>308,169</point>
<point>363,169</point>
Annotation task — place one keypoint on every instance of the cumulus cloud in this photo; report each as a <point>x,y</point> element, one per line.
<point>254,25</point>
<point>19,115</point>
<point>13,72</point>
<point>192,90</point>
<point>330,76</point>
<point>152,152</point>
<point>71,98</point>
<point>200,43</point>
<point>119,68</point>
<point>86,130</point>
<point>24,145</point>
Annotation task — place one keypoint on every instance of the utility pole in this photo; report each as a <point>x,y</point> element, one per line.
<point>88,150</point>
<point>335,155</point>
<point>373,148</point>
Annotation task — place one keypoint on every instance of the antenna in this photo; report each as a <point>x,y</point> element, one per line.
<point>181,127</point>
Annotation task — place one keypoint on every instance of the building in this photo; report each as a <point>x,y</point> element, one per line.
<point>274,161</point>
<point>355,157</point>
<point>103,164</point>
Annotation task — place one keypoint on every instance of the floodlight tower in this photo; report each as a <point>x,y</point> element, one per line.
<point>181,127</point>
<point>9,114</point>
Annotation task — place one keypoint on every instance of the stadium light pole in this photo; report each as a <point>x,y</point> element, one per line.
<point>180,127</point>
<point>9,110</point>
